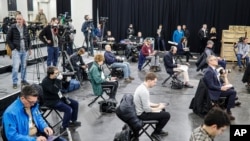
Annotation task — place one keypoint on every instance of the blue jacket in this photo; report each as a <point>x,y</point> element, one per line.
<point>177,36</point>
<point>16,122</point>
<point>109,57</point>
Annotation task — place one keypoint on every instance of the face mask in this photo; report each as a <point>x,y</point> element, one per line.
<point>60,77</point>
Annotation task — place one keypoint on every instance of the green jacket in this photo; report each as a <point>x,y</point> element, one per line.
<point>94,76</point>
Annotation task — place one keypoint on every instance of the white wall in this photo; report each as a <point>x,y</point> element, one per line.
<point>79,8</point>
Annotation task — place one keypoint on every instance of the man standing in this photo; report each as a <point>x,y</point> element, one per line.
<point>88,32</point>
<point>178,34</point>
<point>215,87</point>
<point>40,17</point>
<point>215,123</point>
<point>18,39</point>
<point>49,37</point>
<point>22,120</point>
<point>203,35</point>
<point>242,52</point>
<point>146,110</point>
<point>53,98</point>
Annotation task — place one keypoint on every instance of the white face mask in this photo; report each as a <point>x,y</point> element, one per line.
<point>60,77</point>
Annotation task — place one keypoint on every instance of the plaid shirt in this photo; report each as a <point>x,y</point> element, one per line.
<point>199,134</point>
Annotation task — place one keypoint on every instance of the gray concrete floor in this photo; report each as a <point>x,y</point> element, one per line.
<point>102,127</point>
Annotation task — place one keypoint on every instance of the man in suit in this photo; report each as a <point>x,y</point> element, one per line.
<point>172,67</point>
<point>215,87</point>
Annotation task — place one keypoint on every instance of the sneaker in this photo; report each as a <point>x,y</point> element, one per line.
<point>156,137</point>
<point>163,133</point>
<point>194,57</point>
<point>127,80</point>
<point>14,86</point>
<point>63,131</point>
<point>231,117</point>
<point>25,82</point>
<point>237,103</point>
<point>75,124</point>
<point>131,78</point>
<point>188,86</point>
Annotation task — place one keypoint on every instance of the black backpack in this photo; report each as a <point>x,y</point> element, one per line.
<point>177,84</point>
<point>107,106</point>
<point>124,135</point>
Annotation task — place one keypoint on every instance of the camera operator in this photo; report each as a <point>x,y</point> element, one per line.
<point>88,32</point>
<point>19,41</point>
<point>41,17</point>
<point>53,98</point>
<point>49,36</point>
<point>242,51</point>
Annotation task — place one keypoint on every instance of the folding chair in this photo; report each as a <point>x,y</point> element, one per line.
<point>106,90</point>
<point>115,71</point>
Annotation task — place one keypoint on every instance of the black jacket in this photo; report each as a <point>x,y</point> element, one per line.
<point>76,60</point>
<point>51,88</point>
<point>168,62</point>
<point>246,76</point>
<point>201,62</point>
<point>201,103</point>
<point>13,37</point>
<point>127,113</point>
<point>47,34</point>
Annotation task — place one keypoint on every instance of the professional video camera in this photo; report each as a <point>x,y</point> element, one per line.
<point>34,26</point>
<point>7,21</point>
<point>241,39</point>
<point>103,19</point>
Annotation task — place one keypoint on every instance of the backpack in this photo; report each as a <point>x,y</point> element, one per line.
<point>177,84</point>
<point>124,135</point>
<point>107,106</point>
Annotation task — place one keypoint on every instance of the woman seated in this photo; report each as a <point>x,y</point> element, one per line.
<point>99,80</point>
<point>183,50</point>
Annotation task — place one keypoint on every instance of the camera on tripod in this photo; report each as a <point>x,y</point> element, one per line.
<point>35,26</point>
<point>7,21</point>
<point>103,19</point>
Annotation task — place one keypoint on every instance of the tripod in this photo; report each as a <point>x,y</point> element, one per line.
<point>38,57</point>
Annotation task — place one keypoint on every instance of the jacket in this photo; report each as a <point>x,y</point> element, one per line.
<point>145,50</point>
<point>47,34</point>
<point>109,57</point>
<point>168,63</point>
<point>201,62</point>
<point>126,112</point>
<point>76,60</point>
<point>94,76</point>
<point>51,88</point>
<point>201,102</point>
<point>246,76</point>
<point>13,38</point>
<point>213,84</point>
<point>16,121</point>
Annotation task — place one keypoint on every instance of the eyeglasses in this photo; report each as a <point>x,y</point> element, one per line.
<point>30,102</point>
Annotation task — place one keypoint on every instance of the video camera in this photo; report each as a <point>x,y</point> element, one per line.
<point>35,26</point>
<point>7,21</point>
<point>103,19</point>
<point>241,39</point>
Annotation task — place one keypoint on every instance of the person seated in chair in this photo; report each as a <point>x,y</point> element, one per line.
<point>109,38</point>
<point>22,120</point>
<point>117,62</point>
<point>215,87</point>
<point>209,51</point>
<point>78,65</point>
<point>53,98</point>
<point>183,50</point>
<point>99,80</point>
<point>172,67</point>
<point>146,110</point>
<point>147,53</point>
<point>242,51</point>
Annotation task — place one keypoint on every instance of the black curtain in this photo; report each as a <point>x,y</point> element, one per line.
<point>63,6</point>
<point>146,15</point>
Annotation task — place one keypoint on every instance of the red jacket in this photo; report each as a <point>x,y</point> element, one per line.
<point>145,50</point>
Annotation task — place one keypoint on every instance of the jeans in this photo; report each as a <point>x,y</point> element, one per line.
<point>19,57</point>
<point>125,67</point>
<point>53,53</point>
<point>162,118</point>
<point>89,43</point>
<point>70,111</point>
<point>239,57</point>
